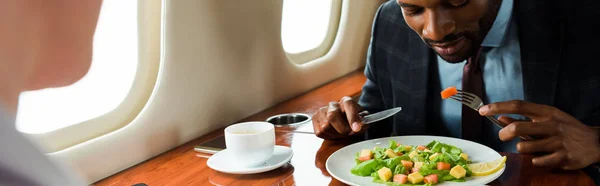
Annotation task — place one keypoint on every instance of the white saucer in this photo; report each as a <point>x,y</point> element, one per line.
<point>218,162</point>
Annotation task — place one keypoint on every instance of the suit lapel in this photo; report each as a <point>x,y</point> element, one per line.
<point>540,41</point>
<point>419,59</point>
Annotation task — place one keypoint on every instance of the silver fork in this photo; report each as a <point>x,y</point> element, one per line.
<point>473,101</point>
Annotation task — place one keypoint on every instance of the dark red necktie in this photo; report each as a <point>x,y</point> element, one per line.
<point>472,82</point>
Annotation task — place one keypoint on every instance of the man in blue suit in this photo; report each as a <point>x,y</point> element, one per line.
<point>530,61</point>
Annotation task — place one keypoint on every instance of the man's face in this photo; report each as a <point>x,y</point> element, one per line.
<point>453,28</point>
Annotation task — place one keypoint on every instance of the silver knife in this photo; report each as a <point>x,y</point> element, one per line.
<point>380,115</point>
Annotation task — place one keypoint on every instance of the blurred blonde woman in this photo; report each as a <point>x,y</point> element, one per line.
<point>44,44</point>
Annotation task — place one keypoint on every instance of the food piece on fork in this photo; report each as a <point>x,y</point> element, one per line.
<point>449,92</point>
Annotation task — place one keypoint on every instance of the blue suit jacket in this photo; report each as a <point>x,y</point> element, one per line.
<point>559,62</point>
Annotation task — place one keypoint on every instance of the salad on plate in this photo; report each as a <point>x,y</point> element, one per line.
<point>437,162</point>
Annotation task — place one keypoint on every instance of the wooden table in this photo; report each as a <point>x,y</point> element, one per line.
<point>183,166</point>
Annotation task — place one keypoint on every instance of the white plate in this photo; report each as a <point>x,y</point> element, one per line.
<point>219,162</point>
<point>341,162</point>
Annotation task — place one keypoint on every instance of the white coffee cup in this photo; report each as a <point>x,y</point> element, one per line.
<point>250,144</point>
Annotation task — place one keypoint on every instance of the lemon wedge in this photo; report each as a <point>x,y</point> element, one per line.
<point>487,168</point>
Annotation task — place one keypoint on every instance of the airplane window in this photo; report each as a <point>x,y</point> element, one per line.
<point>304,24</point>
<point>114,63</point>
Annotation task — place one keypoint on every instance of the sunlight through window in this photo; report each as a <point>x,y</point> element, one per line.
<point>304,24</point>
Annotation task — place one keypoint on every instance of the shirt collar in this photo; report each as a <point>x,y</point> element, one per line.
<point>499,30</point>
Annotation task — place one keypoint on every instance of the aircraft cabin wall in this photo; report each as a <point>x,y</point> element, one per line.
<point>217,62</point>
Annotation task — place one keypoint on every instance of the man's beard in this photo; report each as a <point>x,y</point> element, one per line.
<point>475,36</point>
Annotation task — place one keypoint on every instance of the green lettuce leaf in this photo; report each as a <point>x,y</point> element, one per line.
<point>452,157</point>
<point>365,168</point>
<point>469,173</point>
<point>458,180</point>
<point>399,170</point>
<point>393,144</point>
<point>398,184</point>
<point>393,162</point>
<point>377,180</point>
<point>379,153</point>
<point>428,168</point>
<point>449,158</point>
<point>399,149</point>
<point>436,146</point>
<point>446,177</point>
<point>431,144</point>
<point>421,157</point>
<point>374,174</point>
